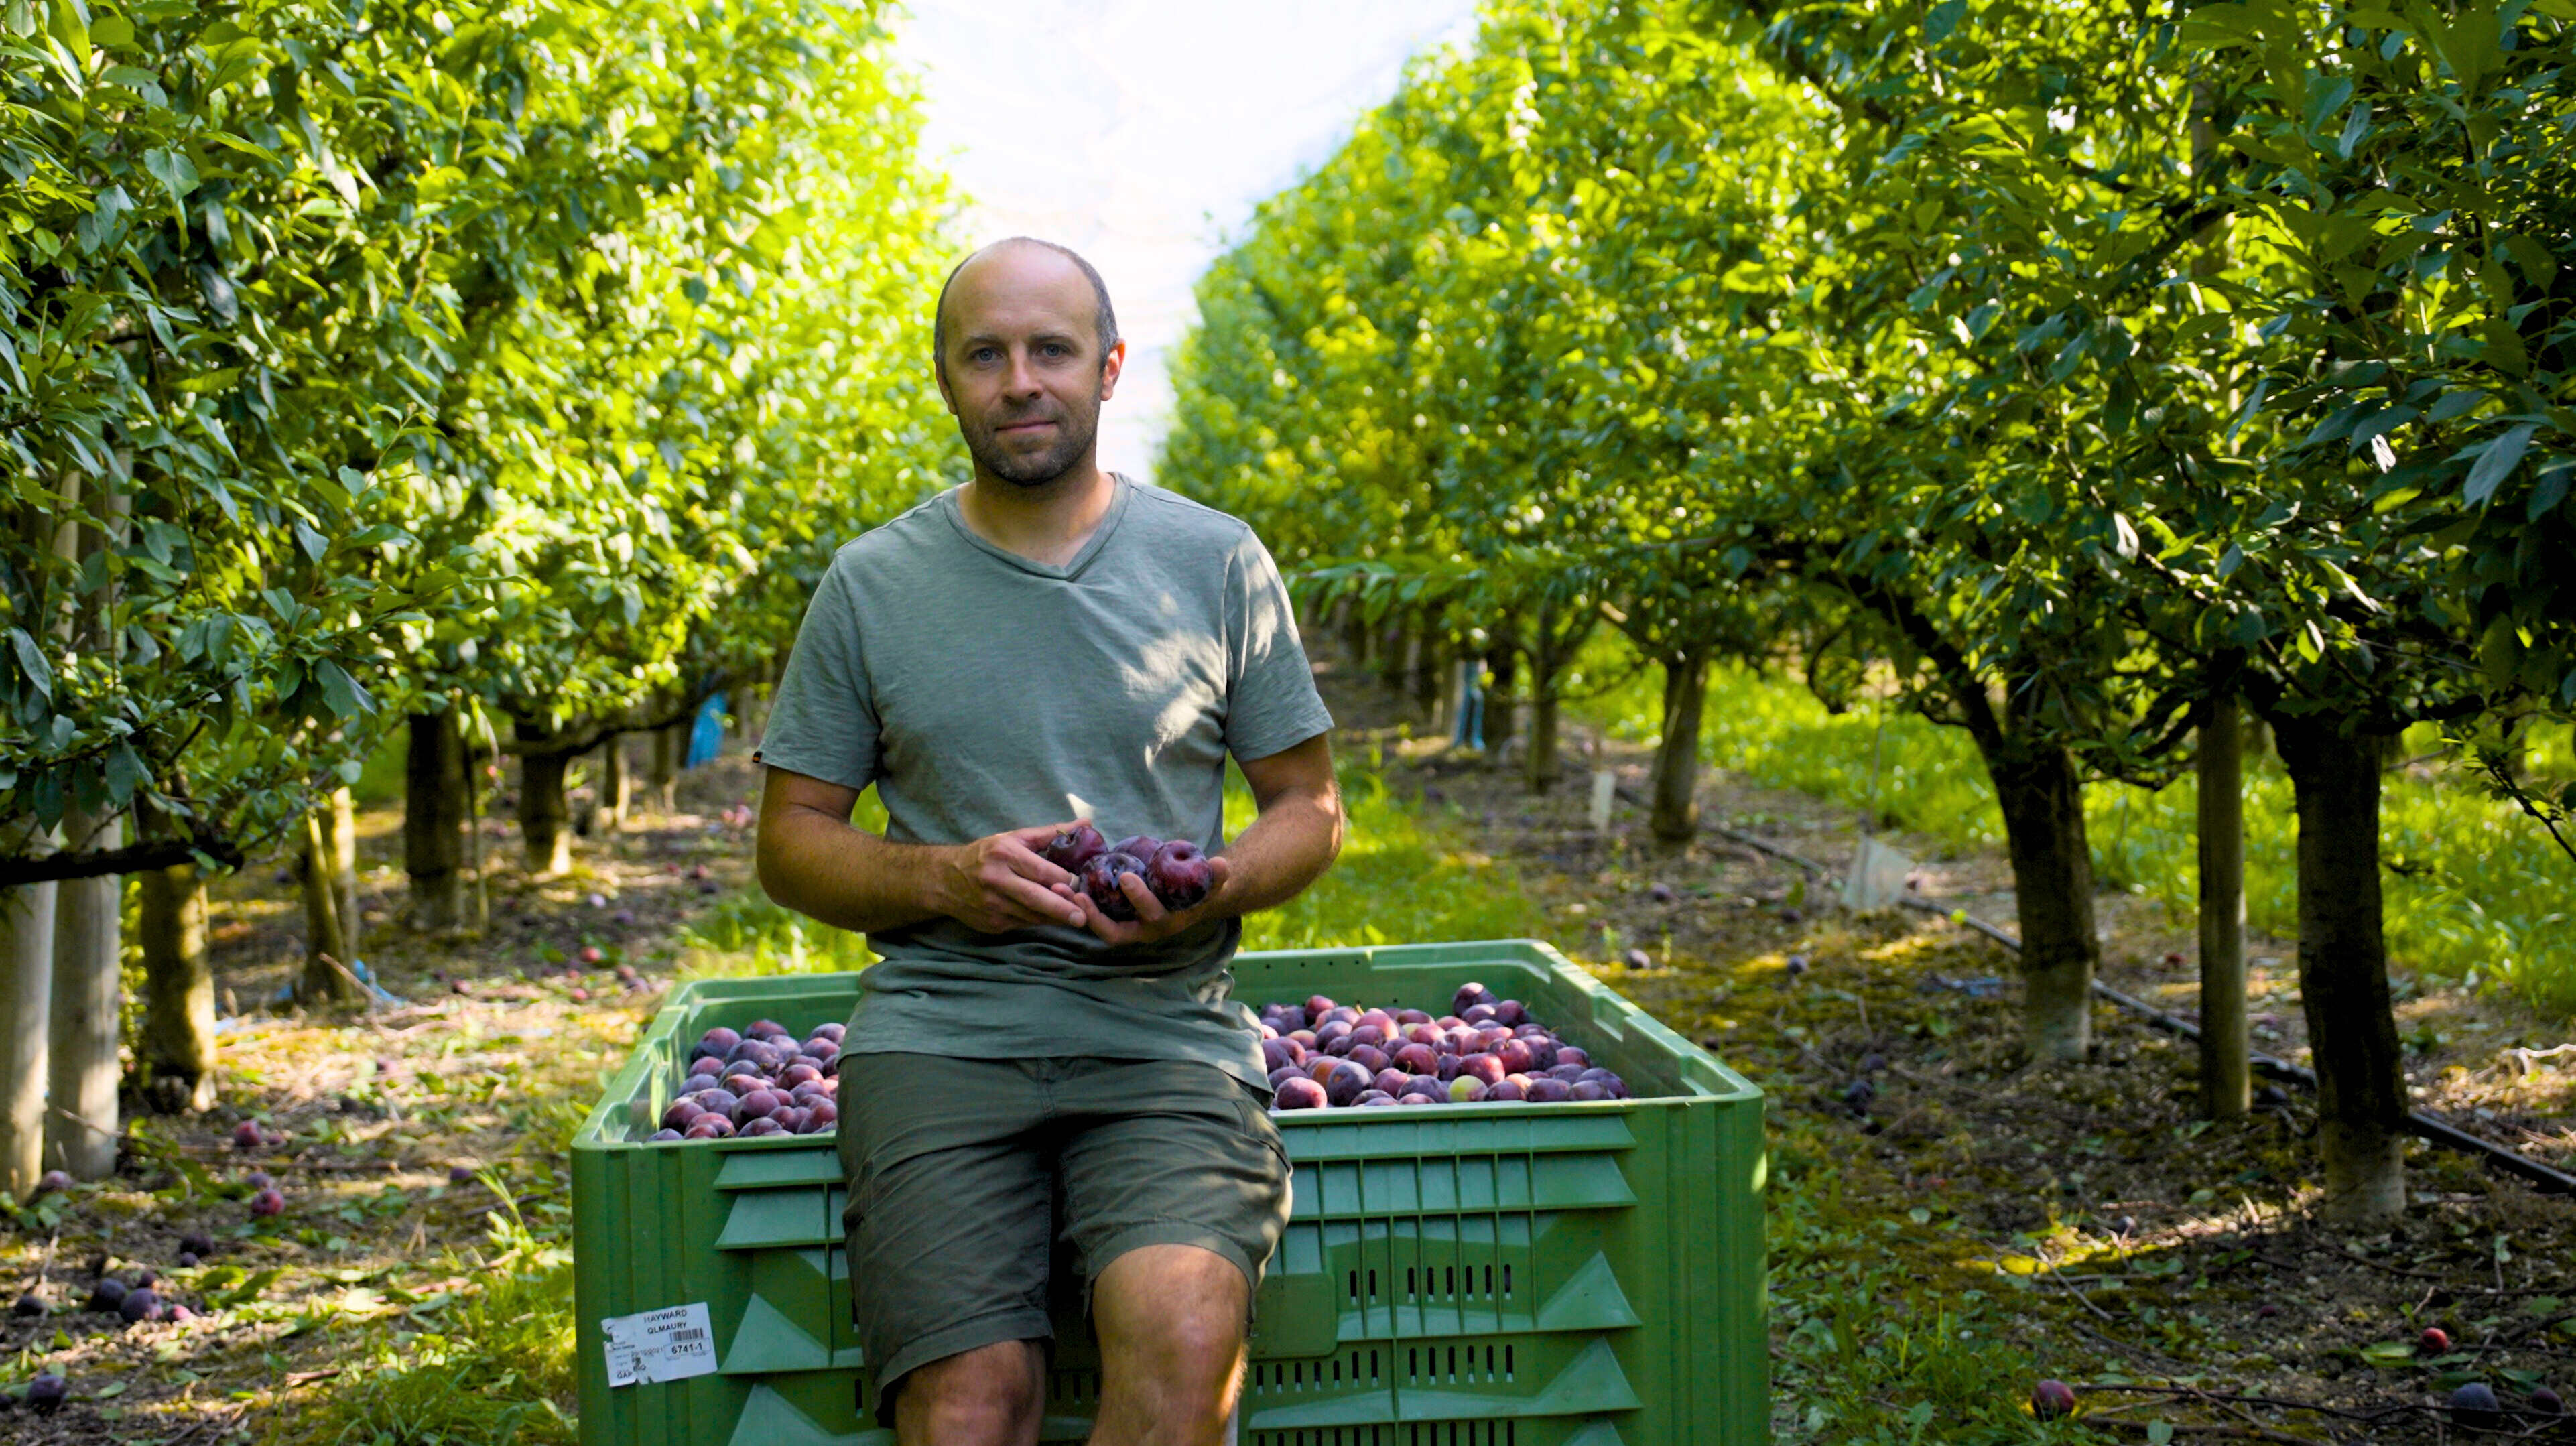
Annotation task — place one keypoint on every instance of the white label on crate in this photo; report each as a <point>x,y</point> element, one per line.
<point>671,1344</point>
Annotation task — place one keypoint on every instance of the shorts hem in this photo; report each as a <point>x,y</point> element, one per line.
<point>1174,1232</point>
<point>1019,1323</point>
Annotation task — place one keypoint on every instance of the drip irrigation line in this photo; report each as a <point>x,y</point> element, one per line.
<point>2550,1181</point>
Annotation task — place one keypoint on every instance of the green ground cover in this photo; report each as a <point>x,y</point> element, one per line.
<point>2475,891</point>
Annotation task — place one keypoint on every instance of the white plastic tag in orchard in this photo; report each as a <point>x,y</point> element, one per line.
<point>670,1344</point>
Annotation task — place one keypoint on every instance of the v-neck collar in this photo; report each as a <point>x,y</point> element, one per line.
<point>1121,491</point>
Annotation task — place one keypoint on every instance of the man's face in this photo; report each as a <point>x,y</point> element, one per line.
<point>1021,365</point>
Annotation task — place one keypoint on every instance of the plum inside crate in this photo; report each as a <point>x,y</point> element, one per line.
<point>1575,1274</point>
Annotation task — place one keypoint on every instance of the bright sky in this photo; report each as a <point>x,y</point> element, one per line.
<point>1142,132</point>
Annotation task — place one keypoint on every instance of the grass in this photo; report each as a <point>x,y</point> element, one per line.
<point>2473,891</point>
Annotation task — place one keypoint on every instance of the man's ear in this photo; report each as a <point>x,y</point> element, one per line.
<point>1111,364</point>
<point>939,373</point>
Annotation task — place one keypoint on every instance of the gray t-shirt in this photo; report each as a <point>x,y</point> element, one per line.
<point>980,691</point>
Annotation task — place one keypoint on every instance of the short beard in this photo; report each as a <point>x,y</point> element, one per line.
<point>984,445</point>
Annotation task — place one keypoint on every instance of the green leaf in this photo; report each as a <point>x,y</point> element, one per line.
<point>31,658</point>
<point>2495,463</point>
<point>177,175</point>
<point>69,24</point>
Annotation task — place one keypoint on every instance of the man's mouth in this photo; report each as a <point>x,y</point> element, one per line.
<point>1028,426</point>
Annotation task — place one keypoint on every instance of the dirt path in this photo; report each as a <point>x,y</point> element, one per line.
<point>418,1149</point>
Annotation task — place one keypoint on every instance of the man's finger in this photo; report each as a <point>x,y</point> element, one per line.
<point>1149,910</point>
<point>1028,863</point>
<point>1039,835</point>
<point>1098,922</point>
<point>1042,904</point>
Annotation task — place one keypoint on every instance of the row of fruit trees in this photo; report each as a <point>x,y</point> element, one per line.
<point>507,368</point>
<point>2091,375</point>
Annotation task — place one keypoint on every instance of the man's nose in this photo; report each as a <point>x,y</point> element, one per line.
<point>1023,380</point>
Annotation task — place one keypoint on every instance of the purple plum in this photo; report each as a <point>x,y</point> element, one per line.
<point>708,1127</point>
<point>1100,882</point>
<point>753,1129</point>
<point>681,1112</point>
<point>663,1136</point>
<point>1179,874</point>
<point>1346,1082</point>
<point>1392,1081</point>
<point>1074,847</point>
<point>1142,845</point>
<point>46,1393</point>
<point>1300,1093</point>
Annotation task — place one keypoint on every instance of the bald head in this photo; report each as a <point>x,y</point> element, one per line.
<point>1024,250</point>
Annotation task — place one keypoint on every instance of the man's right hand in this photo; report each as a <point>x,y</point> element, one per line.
<point>998,883</point>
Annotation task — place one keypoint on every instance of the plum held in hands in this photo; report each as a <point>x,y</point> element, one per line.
<point>1100,881</point>
<point>1179,875</point>
<point>1074,847</point>
<point>1139,846</point>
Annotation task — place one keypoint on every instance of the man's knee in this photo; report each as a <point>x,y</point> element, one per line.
<point>990,1396</point>
<point>1173,1316</point>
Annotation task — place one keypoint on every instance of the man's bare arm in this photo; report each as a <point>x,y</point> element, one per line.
<point>813,860</point>
<point>1286,848</point>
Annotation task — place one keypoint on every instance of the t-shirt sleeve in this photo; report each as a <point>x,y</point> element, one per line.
<point>1271,702</point>
<point>823,721</point>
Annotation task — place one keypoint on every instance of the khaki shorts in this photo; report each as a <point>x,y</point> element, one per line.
<point>965,1175</point>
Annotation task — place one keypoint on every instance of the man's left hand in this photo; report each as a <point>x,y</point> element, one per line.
<point>1153,921</point>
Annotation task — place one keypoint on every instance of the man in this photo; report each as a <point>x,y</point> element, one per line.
<point>1045,644</point>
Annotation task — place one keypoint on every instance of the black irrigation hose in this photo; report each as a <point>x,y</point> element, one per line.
<point>2552,1182</point>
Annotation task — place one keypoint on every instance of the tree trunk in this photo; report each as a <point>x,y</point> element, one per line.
<point>1429,680</point>
<point>665,777</point>
<point>2226,1078</point>
<point>82,1070</point>
<point>2343,971</point>
<point>178,1044</point>
<point>1539,769</point>
<point>434,822</point>
<point>2043,808</point>
<point>543,815</point>
<point>1675,816</point>
<point>26,1006</point>
<point>614,782</point>
<point>344,870</point>
<point>326,947</point>
<point>1503,661</point>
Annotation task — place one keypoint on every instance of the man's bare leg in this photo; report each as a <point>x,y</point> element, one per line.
<point>990,1396</point>
<point>1171,1321</point>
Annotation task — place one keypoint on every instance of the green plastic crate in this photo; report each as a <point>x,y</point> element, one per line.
<point>1468,1275</point>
